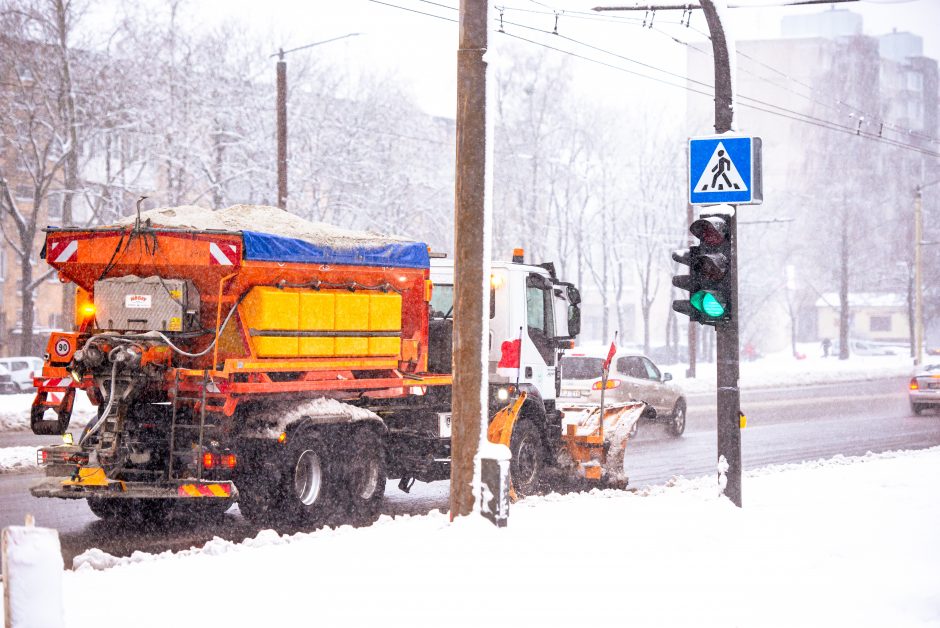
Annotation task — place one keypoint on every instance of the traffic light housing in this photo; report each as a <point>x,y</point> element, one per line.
<point>709,282</point>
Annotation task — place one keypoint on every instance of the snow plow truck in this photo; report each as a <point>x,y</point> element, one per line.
<point>248,355</point>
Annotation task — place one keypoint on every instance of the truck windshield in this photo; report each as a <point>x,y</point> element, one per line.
<point>442,301</point>
<point>581,368</point>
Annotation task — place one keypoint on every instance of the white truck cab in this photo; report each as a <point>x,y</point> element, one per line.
<point>532,314</point>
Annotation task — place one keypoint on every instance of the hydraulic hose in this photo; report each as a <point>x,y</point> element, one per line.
<point>107,409</point>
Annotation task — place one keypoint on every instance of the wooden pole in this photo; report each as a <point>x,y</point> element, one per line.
<point>471,257</point>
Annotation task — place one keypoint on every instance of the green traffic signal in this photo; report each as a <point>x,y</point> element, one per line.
<point>706,302</point>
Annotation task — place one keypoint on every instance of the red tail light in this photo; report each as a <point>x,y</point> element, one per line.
<point>914,384</point>
<point>228,461</point>
<point>509,354</point>
<point>611,383</point>
<point>209,460</point>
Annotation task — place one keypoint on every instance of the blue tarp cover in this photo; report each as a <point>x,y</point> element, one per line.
<point>273,248</point>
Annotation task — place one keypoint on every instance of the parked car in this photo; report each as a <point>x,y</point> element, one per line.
<point>22,370</point>
<point>6,382</point>
<point>633,376</point>
<point>924,389</point>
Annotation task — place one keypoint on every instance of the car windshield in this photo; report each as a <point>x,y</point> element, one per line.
<point>581,368</point>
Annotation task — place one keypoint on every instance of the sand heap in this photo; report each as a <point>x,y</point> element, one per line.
<point>262,218</point>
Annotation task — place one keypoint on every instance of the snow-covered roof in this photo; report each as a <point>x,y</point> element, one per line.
<point>864,299</point>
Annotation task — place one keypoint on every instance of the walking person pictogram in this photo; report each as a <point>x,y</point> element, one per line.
<point>721,170</point>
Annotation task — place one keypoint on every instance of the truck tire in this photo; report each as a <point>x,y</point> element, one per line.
<point>365,476</point>
<point>312,480</point>
<point>677,421</point>
<point>260,504</point>
<point>528,457</point>
<point>130,510</point>
<point>197,511</point>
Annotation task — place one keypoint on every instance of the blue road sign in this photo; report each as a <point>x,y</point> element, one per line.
<point>725,169</point>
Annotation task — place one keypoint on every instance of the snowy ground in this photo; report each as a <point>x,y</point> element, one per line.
<point>17,459</point>
<point>843,542</point>
<point>14,411</point>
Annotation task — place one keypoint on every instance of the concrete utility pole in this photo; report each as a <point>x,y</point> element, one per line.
<point>472,216</point>
<point>282,115</point>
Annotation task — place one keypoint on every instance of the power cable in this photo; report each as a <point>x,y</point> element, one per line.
<point>791,114</point>
<point>773,109</point>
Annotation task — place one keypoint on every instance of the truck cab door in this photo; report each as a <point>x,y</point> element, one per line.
<point>538,350</point>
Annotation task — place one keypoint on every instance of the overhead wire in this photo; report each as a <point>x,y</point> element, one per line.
<point>839,102</point>
<point>754,103</point>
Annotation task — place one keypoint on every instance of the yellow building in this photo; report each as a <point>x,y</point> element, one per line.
<point>879,317</point>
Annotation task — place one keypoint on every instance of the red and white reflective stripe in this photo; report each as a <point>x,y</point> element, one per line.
<point>54,398</point>
<point>57,382</point>
<point>222,255</point>
<point>61,251</point>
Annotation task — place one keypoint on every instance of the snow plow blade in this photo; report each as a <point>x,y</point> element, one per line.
<point>92,483</point>
<point>595,444</point>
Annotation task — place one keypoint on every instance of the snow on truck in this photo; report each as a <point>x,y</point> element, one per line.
<point>246,354</point>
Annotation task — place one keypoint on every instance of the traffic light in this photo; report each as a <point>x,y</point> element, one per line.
<point>708,283</point>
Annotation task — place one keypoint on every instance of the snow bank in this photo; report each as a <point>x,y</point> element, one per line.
<point>848,541</point>
<point>17,459</point>
<point>14,412</point>
<point>780,371</point>
<point>261,218</point>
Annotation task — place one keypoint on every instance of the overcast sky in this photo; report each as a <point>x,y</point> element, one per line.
<point>420,49</point>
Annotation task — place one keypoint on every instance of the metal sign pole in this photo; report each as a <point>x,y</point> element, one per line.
<point>729,396</point>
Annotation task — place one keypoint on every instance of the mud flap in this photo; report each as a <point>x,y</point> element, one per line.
<point>46,400</point>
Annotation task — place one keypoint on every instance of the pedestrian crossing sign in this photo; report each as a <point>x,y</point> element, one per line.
<point>725,169</point>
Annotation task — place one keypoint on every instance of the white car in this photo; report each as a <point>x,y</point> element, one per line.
<point>6,382</point>
<point>633,376</point>
<point>22,370</point>
<point>924,389</point>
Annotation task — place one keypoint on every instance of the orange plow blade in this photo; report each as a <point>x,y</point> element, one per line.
<point>595,444</point>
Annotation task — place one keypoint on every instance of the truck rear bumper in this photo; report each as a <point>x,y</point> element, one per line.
<point>181,490</point>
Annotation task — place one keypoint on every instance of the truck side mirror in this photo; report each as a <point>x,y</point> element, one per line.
<point>574,297</point>
<point>574,319</point>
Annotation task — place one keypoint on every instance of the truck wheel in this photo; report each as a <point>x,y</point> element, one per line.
<point>525,468</point>
<point>130,510</point>
<point>107,508</point>
<point>677,422</point>
<point>197,511</point>
<point>259,504</point>
<point>312,480</point>
<point>365,475</point>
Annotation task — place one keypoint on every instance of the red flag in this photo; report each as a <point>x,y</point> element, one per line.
<point>610,356</point>
<point>509,354</point>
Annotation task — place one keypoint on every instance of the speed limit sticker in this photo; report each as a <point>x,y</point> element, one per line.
<point>62,347</point>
